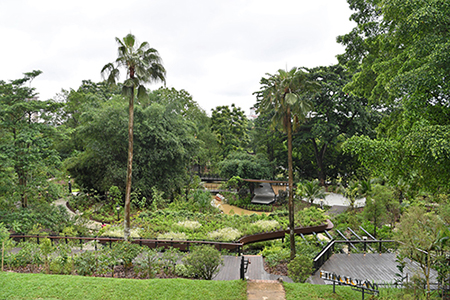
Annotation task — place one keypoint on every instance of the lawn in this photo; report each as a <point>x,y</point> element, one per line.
<point>296,291</point>
<point>40,286</point>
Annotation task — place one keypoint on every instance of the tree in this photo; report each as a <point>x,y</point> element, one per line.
<point>402,48</point>
<point>164,144</point>
<point>381,207</point>
<point>181,103</point>
<point>271,143</point>
<point>245,165</point>
<point>399,53</point>
<point>423,236</point>
<point>230,127</point>
<point>25,136</point>
<point>337,116</point>
<point>285,93</point>
<point>143,65</point>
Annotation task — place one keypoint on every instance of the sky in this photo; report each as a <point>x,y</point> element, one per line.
<point>216,50</point>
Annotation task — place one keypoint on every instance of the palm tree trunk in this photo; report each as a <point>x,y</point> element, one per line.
<point>291,185</point>
<point>319,159</point>
<point>126,229</point>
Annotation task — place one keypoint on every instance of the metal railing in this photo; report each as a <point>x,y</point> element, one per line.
<point>328,250</point>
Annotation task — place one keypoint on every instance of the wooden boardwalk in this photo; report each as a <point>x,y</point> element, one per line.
<point>379,268</point>
<point>231,269</point>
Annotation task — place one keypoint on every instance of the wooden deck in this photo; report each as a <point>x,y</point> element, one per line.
<point>379,268</point>
<point>231,269</point>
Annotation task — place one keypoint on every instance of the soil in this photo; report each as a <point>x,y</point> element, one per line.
<point>280,269</point>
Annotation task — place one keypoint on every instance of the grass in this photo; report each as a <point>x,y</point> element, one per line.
<point>296,291</point>
<point>40,286</point>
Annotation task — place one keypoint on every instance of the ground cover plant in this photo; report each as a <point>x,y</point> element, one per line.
<point>121,259</point>
<point>39,286</point>
<point>301,291</point>
<point>220,227</point>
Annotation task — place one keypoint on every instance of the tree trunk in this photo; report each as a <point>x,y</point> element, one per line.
<point>126,229</point>
<point>291,185</point>
<point>319,159</point>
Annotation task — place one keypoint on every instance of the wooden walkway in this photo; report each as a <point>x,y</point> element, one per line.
<point>379,268</point>
<point>231,269</point>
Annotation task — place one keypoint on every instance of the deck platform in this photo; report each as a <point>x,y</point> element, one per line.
<point>379,268</point>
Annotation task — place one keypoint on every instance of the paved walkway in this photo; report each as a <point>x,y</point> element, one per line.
<point>332,199</point>
<point>93,225</point>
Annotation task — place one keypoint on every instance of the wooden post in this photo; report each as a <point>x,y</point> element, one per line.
<point>3,252</point>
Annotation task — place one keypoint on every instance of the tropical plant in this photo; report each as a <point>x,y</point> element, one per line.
<point>148,262</point>
<point>311,190</point>
<point>300,268</point>
<point>143,65</point>
<point>285,93</point>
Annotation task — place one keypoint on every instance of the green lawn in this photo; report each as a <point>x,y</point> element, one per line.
<point>40,286</point>
<point>296,291</point>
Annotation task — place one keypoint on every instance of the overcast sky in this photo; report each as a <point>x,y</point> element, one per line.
<point>216,50</point>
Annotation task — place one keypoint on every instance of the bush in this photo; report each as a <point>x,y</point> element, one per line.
<point>169,260</point>
<point>300,268</point>
<point>85,263</point>
<point>147,264</point>
<point>204,261</point>
<point>225,234</point>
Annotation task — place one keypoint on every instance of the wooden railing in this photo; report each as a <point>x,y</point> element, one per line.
<point>151,243</point>
<point>328,250</point>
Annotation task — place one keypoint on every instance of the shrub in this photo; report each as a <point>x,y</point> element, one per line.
<point>169,259</point>
<point>275,254</point>
<point>178,236</point>
<point>116,231</point>
<point>183,271</point>
<point>267,225</point>
<point>311,216</point>
<point>147,264</point>
<point>192,225</point>
<point>204,261</point>
<point>29,254</point>
<point>85,263</point>
<point>126,252</point>
<point>300,268</point>
<point>225,234</point>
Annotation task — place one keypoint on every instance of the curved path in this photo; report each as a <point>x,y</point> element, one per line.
<point>91,224</point>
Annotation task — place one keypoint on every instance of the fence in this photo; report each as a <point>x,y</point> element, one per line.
<point>151,243</point>
<point>328,250</point>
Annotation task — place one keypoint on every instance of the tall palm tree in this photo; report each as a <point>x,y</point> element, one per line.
<point>143,65</point>
<point>284,93</point>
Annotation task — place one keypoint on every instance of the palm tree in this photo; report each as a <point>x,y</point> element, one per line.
<point>311,190</point>
<point>143,65</point>
<point>284,94</point>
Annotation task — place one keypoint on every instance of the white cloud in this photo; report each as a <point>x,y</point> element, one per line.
<point>216,50</point>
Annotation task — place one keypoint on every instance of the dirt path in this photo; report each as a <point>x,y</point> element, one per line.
<point>265,290</point>
<point>226,208</point>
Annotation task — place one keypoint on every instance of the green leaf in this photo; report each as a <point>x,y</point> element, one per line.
<point>291,98</point>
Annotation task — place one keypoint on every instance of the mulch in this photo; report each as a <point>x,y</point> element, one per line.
<point>280,269</point>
